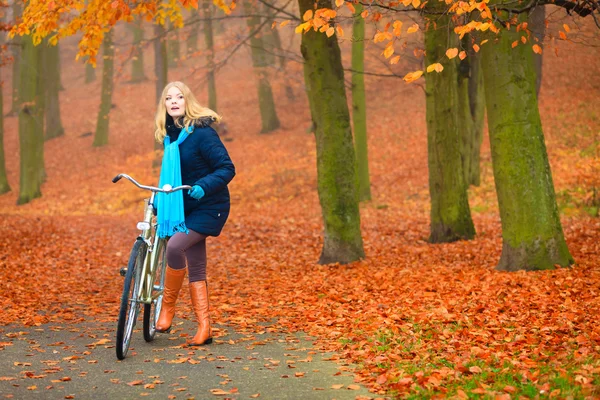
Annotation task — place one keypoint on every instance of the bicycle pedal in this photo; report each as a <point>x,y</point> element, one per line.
<point>123,271</point>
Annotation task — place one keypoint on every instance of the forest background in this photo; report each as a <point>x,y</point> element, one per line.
<point>418,318</point>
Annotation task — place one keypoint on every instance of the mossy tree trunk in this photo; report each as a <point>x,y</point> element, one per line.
<point>359,110</point>
<point>532,234</point>
<point>16,47</point>
<point>41,95</point>
<point>210,55</point>
<point>450,213</point>
<point>54,126</point>
<point>471,98</point>
<point>137,63</point>
<point>4,186</point>
<point>31,127</point>
<point>101,137</point>
<point>260,61</point>
<point>336,163</point>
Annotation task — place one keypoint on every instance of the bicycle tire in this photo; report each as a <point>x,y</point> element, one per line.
<point>128,313</point>
<point>152,311</point>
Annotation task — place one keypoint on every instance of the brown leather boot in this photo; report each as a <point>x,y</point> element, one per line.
<point>199,295</point>
<point>173,281</point>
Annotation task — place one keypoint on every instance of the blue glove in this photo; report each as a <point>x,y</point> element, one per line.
<point>196,192</point>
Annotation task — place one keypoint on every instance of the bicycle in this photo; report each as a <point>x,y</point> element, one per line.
<point>144,274</point>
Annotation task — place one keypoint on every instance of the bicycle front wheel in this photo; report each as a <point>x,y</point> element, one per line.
<point>129,304</point>
<point>152,311</point>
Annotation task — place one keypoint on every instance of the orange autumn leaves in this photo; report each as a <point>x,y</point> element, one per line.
<point>322,20</point>
<point>58,19</point>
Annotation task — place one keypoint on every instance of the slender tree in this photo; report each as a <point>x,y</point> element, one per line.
<point>101,137</point>
<point>173,47</point>
<point>31,132</point>
<point>16,55</point>
<point>471,100</point>
<point>260,61</point>
<point>161,71</point>
<point>359,109</point>
<point>532,234</point>
<point>191,40</point>
<point>4,185</point>
<point>450,213</point>
<point>137,64</point>
<point>161,67</point>
<point>54,126</point>
<point>274,46</point>
<point>210,55</point>
<point>336,164</point>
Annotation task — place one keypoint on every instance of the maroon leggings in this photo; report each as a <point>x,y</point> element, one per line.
<point>191,247</point>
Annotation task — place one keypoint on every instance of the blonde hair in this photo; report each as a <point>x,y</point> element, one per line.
<point>193,111</point>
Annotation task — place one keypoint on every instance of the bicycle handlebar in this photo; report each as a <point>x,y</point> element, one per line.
<point>165,189</point>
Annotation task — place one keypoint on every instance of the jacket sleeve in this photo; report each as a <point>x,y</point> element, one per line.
<point>215,154</point>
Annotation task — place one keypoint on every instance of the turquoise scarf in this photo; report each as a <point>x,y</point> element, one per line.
<point>171,217</point>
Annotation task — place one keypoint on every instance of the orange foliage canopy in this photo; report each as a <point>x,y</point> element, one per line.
<point>468,16</point>
<point>61,18</point>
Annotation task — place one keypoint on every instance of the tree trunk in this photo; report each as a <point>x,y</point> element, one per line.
<point>450,213</point>
<point>274,46</point>
<point>471,99</point>
<point>173,48</point>
<point>336,163</point>
<point>210,55</point>
<point>532,234</point>
<point>41,94</point>
<point>137,64</point>
<point>268,114</point>
<point>4,186</point>
<point>54,126</point>
<point>31,132</point>
<point>537,25</point>
<point>16,53</point>
<point>359,111</point>
<point>101,137</point>
<point>192,29</point>
<point>161,69</point>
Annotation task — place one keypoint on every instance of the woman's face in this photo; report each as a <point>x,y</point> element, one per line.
<point>175,102</point>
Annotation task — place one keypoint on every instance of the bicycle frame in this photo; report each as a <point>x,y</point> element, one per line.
<point>144,294</point>
<point>150,236</point>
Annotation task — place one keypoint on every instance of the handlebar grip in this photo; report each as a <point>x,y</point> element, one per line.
<point>117,178</point>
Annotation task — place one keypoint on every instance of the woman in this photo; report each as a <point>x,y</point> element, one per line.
<point>194,155</point>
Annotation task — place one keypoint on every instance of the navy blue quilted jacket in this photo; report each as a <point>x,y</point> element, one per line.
<point>204,162</point>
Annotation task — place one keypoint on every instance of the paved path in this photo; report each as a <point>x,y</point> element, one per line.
<point>79,361</point>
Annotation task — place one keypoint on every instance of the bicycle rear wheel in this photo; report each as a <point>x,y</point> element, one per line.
<point>129,305</point>
<point>152,311</point>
